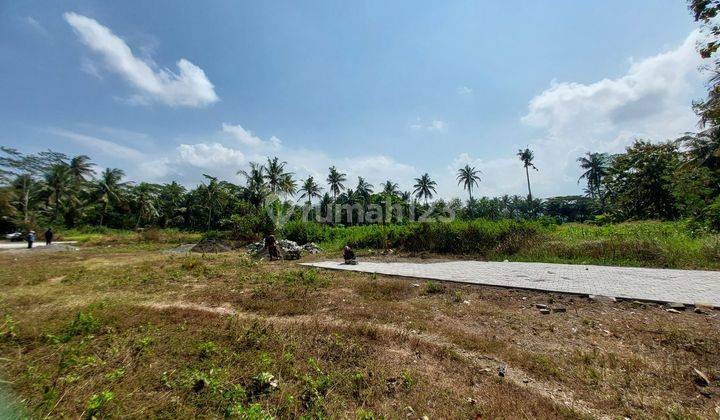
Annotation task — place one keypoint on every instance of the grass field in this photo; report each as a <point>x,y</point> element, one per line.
<point>123,329</point>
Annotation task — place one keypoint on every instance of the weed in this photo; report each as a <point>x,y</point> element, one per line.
<point>431,288</point>
<point>115,374</point>
<point>98,403</point>
<point>457,296</point>
<point>252,412</point>
<point>363,414</point>
<point>208,349</point>
<point>408,379</point>
<point>8,328</point>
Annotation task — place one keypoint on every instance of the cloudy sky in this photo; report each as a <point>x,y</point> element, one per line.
<point>388,90</point>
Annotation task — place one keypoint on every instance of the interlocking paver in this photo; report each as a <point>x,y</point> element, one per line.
<point>663,285</point>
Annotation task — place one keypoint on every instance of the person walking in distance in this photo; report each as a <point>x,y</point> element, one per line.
<point>30,238</point>
<point>49,236</point>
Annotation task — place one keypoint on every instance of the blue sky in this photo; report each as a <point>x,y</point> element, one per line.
<point>388,90</point>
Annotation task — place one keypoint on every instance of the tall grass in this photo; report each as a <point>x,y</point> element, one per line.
<point>646,243</point>
<point>458,237</point>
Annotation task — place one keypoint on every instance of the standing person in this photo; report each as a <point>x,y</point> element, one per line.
<point>48,236</point>
<point>272,247</point>
<point>30,238</point>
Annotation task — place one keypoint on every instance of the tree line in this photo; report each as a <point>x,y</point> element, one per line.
<point>668,180</point>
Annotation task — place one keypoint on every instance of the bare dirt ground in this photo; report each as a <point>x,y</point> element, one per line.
<point>134,331</point>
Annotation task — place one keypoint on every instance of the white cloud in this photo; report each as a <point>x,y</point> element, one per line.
<point>210,156</point>
<point>102,146</point>
<point>651,99</point>
<point>157,169</point>
<point>434,125</point>
<point>247,138</point>
<point>36,26</point>
<point>188,87</point>
<point>464,91</point>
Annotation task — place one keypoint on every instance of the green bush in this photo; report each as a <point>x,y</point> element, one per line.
<point>459,237</point>
<point>251,226</point>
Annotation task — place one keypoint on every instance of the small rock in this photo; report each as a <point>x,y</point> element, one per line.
<point>560,309</point>
<point>471,401</point>
<point>638,304</point>
<point>700,311</point>
<point>700,378</point>
<point>677,306</point>
<point>672,311</point>
<point>526,380</point>
<point>545,311</point>
<point>506,261</point>
<point>501,371</point>
<point>415,285</point>
<point>466,302</point>
<point>541,306</point>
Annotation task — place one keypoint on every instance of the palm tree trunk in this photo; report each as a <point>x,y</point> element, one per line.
<point>26,200</point>
<point>209,217</point>
<point>527,175</point>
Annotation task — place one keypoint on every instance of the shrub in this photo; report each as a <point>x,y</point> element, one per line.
<point>458,237</point>
<point>251,226</point>
<point>432,288</point>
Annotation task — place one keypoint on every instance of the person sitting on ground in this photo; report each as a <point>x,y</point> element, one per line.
<point>48,236</point>
<point>30,238</point>
<point>272,247</point>
<point>349,256</point>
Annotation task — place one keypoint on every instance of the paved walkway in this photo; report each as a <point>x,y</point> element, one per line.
<point>37,244</point>
<point>662,285</point>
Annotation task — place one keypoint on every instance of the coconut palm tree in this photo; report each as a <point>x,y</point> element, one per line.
<point>288,186</point>
<point>390,189</point>
<point>335,179</point>
<point>214,196</point>
<point>310,189</point>
<point>424,187</point>
<point>527,156</point>
<point>703,148</point>
<point>364,189</point>
<point>146,199</point>
<point>596,166</point>
<point>171,199</point>
<point>59,183</point>
<point>255,183</point>
<point>469,177</point>
<point>274,174</point>
<point>80,168</point>
<point>109,190</point>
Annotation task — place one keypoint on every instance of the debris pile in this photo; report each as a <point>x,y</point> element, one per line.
<point>290,249</point>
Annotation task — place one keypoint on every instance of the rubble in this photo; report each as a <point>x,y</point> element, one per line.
<point>290,249</point>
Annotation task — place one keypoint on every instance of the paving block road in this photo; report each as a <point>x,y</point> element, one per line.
<point>652,284</point>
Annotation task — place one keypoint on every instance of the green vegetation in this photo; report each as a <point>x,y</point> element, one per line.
<point>678,244</point>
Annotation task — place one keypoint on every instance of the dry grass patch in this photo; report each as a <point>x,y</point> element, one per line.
<point>150,334</point>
